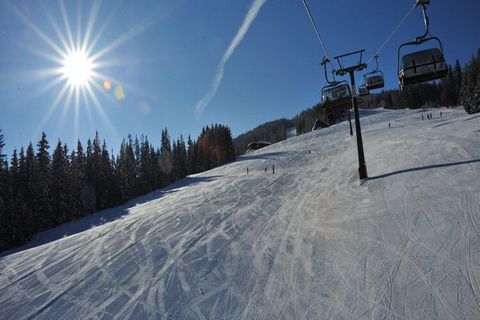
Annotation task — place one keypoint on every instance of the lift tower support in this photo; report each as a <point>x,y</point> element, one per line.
<point>362,166</point>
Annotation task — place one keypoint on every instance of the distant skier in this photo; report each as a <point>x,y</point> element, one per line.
<point>273,169</point>
<point>247,170</point>
<point>265,169</point>
<point>441,114</point>
<point>389,125</point>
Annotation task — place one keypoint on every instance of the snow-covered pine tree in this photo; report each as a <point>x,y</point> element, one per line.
<point>470,91</point>
<point>448,96</point>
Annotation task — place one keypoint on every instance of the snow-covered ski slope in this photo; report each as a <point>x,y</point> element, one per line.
<point>308,242</point>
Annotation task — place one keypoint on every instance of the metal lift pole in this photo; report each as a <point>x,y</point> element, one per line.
<point>362,166</point>
<point>350,120</point>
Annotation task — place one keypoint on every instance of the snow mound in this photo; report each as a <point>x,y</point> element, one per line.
<point>307,242</point>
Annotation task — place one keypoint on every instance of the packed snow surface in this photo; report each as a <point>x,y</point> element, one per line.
<point>308,242</point>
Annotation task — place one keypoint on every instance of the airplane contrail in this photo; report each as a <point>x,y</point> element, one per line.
<point>217,79</point>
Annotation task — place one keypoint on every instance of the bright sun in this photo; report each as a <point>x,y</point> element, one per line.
<point>76,64</point>
<point>77,68</point>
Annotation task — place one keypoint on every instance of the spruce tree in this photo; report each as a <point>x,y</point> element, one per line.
<point>78,182</point>
<point>89,192</point>
<point>106,180</point>
<point>42,186</point>
<point>179,157</point>
<point>26,170</point>
<point>17,220</point>
<point>166,157</point>
<point>6,229</point>
<point>191,156</point>
<point>457,76</point>
<point>469,93</point>
<point>59,188</point>
<point>126,170</point>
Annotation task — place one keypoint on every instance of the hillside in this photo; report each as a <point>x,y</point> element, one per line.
<point>308,242</point>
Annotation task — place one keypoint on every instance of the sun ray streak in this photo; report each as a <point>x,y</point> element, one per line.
<point>40,52</point>
<point>65,109</point>
<point>100,110</point>
<point>52,108</point>
<point>37,31</point>
<point>76,130</point>
<point>100,32</point>
<point>22,75</point>
<point>77,112</point>
<point>87,107</point>
<point>57,30</point>
<point>79,26</point>
<point>47,86</point>
<point>92,18</point>
<point>43,54</point>
<point>66,23</point>
<point>127,36</point>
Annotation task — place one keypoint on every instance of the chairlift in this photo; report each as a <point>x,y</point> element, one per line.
<point>363,91</point>
<point>420,2</point>
<point>335,92</point>
<point>374,79</point>
<point>335,97</point>
<point>424,65</point>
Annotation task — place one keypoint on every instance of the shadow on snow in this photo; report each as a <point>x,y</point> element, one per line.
<point>433,166</point>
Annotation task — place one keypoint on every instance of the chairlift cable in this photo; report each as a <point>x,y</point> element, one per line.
<point>391,34</point>
<point>317,32</point>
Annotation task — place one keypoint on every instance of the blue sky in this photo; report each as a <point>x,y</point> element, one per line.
<point>166,56</point>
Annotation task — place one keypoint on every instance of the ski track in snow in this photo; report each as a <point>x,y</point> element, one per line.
<point>308,242</point>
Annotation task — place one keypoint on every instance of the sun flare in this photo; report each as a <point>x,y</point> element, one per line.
<point>79,63</point>
<point>77,68</point>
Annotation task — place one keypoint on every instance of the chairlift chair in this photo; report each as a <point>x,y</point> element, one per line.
<point>420,2</point>
<point>424,65</point>
<point>336,92</point>
<point>363,91</point>
<point>374,79</point>
<point>421,66</point>
<point>336,99</point>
